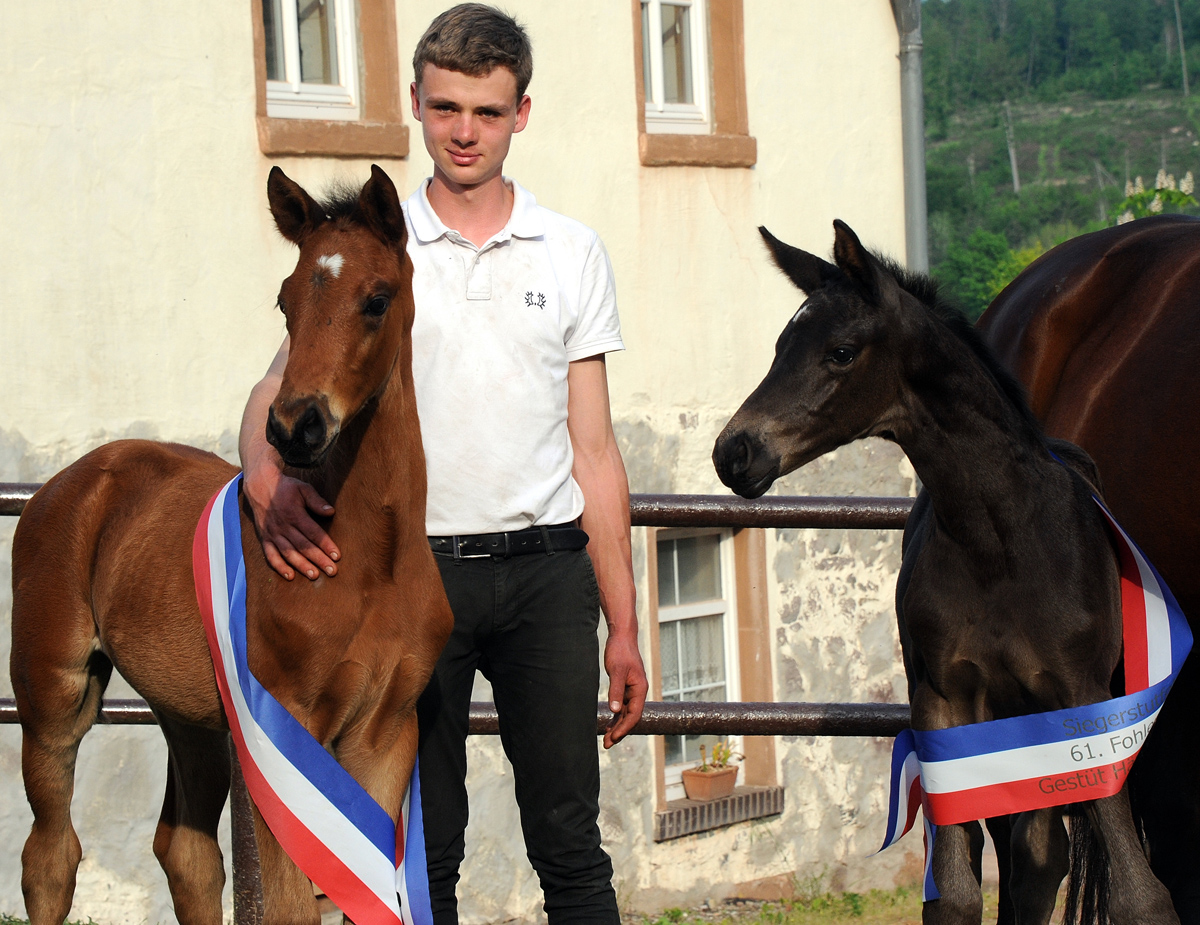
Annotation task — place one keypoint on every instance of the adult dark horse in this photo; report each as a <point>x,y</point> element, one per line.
<point>1104,331</point>
<point>102,577</point>
<point>1008,597</point>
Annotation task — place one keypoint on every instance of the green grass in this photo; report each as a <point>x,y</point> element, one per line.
<point>901,906</point>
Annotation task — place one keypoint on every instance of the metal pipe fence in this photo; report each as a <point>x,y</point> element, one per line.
<point>811,719</point>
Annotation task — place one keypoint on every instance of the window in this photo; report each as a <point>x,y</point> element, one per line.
<point>710,640</point>
<point>691,84</point>
<point>312,60</point>
<point>697,638</point>
<point>675,66</point>
<point>328,78</point>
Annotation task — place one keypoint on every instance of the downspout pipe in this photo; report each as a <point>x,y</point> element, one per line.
<point>912,121</point>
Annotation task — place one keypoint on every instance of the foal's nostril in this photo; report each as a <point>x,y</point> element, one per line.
<point>277,435</point>
<point>742,455</point>
<point>312,427</point>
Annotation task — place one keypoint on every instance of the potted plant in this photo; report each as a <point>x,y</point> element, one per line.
<point>712,778</point>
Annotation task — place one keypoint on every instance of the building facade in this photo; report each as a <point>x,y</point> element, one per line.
<point>140,272</point>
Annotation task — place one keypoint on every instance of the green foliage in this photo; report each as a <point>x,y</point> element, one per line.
<point>980,51</point>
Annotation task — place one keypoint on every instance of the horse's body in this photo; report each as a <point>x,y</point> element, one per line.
<point>1008,598</point>
<point>1104,331</point>
<point>102,577</point>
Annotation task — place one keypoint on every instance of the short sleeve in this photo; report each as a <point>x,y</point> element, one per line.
<point>597,327</point>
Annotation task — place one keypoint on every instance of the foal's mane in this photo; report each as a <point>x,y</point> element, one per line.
<point>925,289</point>
<point>340,202</point>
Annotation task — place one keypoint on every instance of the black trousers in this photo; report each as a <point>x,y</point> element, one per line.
<point>529,624</point>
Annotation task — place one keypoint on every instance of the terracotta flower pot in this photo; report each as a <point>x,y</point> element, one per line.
<point>709,785</point>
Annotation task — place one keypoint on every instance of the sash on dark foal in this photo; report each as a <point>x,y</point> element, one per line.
<point>1104,331</point>
<point>1008,596</point>
<point>102,577</point>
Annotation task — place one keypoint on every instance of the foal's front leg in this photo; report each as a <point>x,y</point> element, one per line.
<point>957,866</point>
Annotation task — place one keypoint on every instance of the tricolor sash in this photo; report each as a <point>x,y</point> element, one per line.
<point>1047,759</point>
<point>372,869</point>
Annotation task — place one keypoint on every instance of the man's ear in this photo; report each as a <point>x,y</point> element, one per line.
<point>415,97</point>
<point>806,270</point>
<point>296,213</point>
<point>523,108</point>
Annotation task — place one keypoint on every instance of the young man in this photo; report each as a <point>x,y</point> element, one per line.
<point>515,311</point>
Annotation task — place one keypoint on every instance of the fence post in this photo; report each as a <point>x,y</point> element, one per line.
<point>247,878</point>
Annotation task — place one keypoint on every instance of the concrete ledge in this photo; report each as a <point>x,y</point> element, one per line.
<point>687,817</point>
<point>697,150</point>
<point>331,138</point>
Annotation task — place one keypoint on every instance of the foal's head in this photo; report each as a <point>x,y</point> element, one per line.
<point>349,310</point>
<point>836,375</point>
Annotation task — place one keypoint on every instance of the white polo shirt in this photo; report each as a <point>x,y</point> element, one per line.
<point>496,327</point>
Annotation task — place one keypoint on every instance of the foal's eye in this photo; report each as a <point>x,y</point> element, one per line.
<point>279,305</point>
<point>842,356</point>
<point>376,306</point>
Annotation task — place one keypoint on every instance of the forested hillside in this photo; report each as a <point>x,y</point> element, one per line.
<point>1040,117</point>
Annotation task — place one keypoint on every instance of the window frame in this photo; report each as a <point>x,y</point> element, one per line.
<point>378,131</point>
<point>728,142</point>
<point>291,98</point>
<point>678,118</point>
<point>726,605</point>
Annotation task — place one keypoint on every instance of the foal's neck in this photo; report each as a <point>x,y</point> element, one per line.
<point>375,477</point>
<point>981,459</point>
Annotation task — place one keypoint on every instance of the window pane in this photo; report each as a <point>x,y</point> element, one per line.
<point>702,654</point>
<point>674,750</point>
<point>273,32</point>
<point>646,78</point>
<point>699,568</point>
<point>666,573</point>
<point>668,645</point>
<point>677,54</point>
<point>318,41</point>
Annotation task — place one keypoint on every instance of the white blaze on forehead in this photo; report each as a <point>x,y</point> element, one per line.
<point>332,263</point>
<point>804,306</point>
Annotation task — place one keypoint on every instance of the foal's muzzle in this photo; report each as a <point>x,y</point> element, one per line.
<point>305,433</point>
<point>743,463</point>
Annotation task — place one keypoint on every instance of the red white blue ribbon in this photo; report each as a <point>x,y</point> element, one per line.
<point>345,842</point>
<point>1047,759</point>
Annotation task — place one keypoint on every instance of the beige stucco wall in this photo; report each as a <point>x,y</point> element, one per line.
<point>139,274</point>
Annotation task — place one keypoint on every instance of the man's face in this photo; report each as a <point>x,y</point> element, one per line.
<point>468,122</point>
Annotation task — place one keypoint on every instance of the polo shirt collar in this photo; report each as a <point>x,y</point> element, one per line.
<point>524,222</point>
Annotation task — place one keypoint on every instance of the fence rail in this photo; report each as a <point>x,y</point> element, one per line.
<point>825,719</point>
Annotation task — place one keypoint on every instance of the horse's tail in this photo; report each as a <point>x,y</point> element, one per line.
<point>1087,883</point>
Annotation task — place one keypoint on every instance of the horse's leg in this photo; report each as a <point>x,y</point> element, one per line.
<point>957,859</point>
<point>1135,894</point>
<point>1041,858</point>
<point>185,841</point>
<point>58,676</point>
<point>1000,828</point>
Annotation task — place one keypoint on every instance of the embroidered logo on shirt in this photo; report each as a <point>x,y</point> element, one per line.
<point>531,300</point>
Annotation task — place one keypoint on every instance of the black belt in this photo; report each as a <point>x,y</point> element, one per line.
<point>548,540</point>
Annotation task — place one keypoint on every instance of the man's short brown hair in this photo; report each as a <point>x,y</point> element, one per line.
<point>475,39</point>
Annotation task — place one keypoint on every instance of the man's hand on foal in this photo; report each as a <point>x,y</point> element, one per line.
<point>283,510</point>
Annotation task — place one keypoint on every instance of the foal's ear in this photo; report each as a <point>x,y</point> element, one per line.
<point>381,206</point>
<point>859,265</point>
<point>297,214</point>
<point>806,270</point>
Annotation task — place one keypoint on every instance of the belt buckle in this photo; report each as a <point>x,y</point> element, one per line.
<point>456,543</point>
